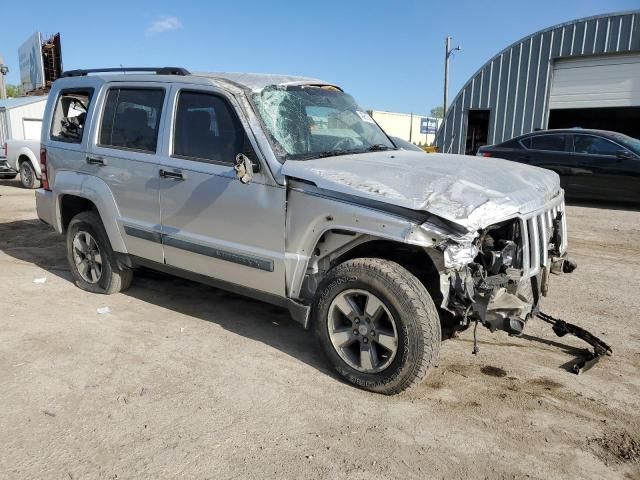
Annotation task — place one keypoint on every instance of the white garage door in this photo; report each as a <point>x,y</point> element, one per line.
<point>595,82</point>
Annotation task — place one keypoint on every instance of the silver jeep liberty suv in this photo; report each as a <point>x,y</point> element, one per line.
<point>284,189</point>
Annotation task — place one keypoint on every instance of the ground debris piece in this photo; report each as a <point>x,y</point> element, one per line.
<point>48,413</point>
<point>618,446</point>
<point>40,280</point>
<point>103,310</point>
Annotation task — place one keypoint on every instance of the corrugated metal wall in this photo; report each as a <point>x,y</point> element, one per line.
<point>514,85</point>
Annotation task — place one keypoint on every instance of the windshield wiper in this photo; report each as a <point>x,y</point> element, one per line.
<point>335,153</point>
<point>379,147</point>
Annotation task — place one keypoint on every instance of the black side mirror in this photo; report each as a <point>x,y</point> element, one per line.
<point>624,154</point>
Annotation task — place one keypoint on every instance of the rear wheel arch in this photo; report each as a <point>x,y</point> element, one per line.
<point>71,205</point>
<point>91,189</point>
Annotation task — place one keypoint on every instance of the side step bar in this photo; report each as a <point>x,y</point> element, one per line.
<point>562,328</point>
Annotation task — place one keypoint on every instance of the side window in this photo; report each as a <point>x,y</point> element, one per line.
<point>526,142</point>
<point>512,144</point>
<point>131,118</point>
<point>554,143</point>
<point>206,128</point>
<point>70,114</point>
<point>594,145</point>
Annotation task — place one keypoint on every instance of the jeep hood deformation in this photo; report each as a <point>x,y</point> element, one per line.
<point>470,191</point>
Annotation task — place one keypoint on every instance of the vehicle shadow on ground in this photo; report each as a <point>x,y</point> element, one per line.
<point>15,183</point>
<point>577,353</point>
<point>235,313</point>
<point>31,241</point>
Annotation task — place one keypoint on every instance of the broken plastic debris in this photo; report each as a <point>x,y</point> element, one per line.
<point>103,310</point>
<point>40,280</point>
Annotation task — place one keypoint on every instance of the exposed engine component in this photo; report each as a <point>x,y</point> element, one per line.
<point>498,247</point>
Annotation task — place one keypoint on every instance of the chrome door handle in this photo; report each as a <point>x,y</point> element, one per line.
<point>99,161</point>
<point>172,175</point>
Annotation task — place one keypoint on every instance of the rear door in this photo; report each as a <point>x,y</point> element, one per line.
<point>614,171</point>
<point>213,224</point>
<point>127,134</point>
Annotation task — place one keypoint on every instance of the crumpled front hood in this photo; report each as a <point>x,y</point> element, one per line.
<point>471,191</point>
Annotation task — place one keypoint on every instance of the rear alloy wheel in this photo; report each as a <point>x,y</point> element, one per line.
<point>87,257</point>
<point>94,266</point>
<point>377,325</point>
<point>28,176</point>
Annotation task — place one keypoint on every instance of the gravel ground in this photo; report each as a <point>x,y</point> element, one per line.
<point>182,380</point>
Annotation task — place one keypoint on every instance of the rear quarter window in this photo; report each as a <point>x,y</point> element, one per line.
<point>69,115</point>
<point>512,144</point>
<point>131,118</point>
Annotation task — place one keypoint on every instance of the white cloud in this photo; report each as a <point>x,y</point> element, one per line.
<point>164,24</point>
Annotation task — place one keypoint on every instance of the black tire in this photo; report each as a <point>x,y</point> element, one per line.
<point>113,278</point>
<point>406,300</point>
<point>28,176</point>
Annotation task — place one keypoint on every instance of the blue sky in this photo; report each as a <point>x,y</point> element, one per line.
<point>388,54</point>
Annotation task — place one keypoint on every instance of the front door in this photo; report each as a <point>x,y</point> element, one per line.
<point>212,223</point>
<point>614,171</point>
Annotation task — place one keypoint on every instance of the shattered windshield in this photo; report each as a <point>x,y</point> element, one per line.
<point>307,122</point>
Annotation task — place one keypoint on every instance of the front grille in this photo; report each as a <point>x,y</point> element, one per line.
<point>537,231</point>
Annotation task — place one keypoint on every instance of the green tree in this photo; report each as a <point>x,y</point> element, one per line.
<point>14,90</point>
<point>437,112</point>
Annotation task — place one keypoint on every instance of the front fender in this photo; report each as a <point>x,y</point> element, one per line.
<point>310,216</point>
<point>98,192</point>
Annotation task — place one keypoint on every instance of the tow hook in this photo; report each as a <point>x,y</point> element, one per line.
<point>562,328</point>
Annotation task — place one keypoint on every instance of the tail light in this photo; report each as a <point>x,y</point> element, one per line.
<point>486,154</point>
<point>43,169</point>
<point>4,150</point>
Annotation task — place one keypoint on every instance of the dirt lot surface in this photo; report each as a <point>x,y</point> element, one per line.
<point>180,380</point>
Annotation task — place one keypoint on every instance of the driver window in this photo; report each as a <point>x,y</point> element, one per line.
<point>70,115</point>
<point>207,129</point>
<point>595,145</point>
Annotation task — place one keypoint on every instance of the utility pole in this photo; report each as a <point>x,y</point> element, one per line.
<point>410,127</point>
<point>448,52</point>
<point>3,84</point>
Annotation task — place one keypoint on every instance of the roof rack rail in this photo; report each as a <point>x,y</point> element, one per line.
<point>156,70</point>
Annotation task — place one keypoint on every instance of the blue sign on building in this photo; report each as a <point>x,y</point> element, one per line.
<point>428,126</point>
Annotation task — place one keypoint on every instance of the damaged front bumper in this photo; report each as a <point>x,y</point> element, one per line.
<point>508,273</point>
<point>498,277</point>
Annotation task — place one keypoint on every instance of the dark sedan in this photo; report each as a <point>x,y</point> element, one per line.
<point>592,164</point>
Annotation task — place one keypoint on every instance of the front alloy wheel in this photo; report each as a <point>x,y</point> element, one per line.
<point>377,324</point>
<point>362,330</point>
